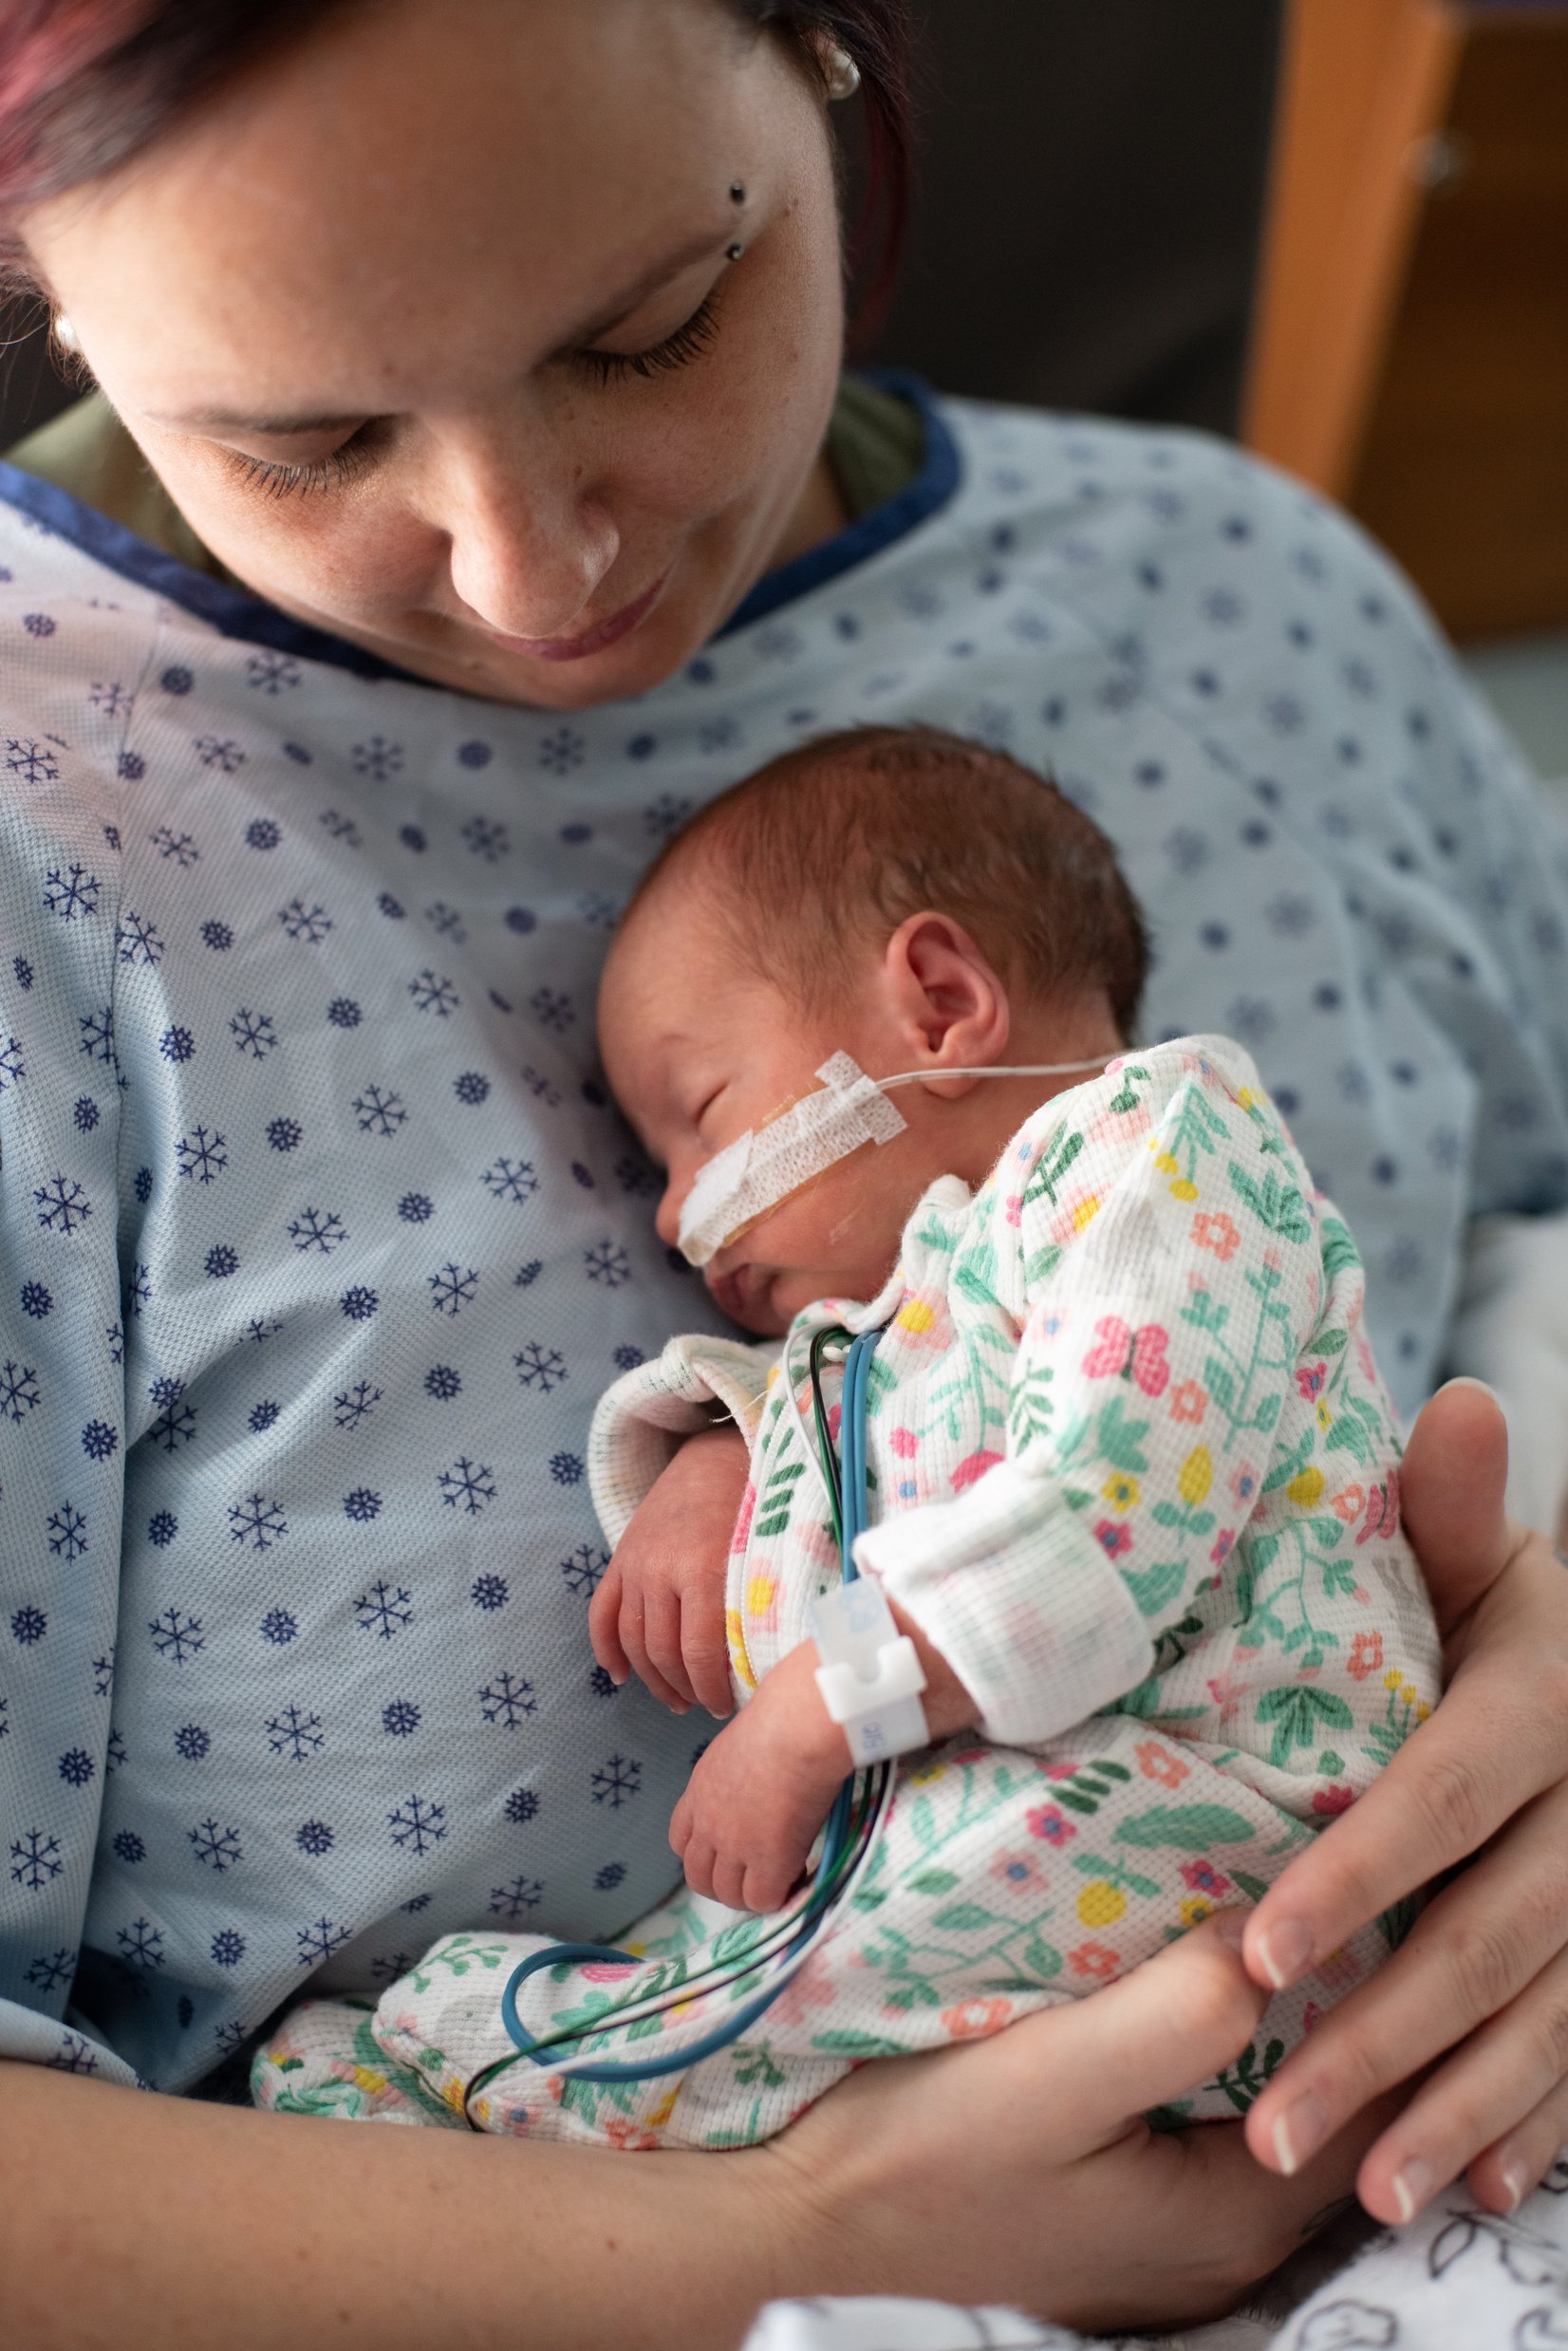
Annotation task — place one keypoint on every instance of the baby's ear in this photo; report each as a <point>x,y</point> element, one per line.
<point>949,1002</point>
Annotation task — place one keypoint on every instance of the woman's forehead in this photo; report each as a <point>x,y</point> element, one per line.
<point>414,174</point>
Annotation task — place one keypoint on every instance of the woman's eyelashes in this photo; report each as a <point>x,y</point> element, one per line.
<point>690,340</point>
<point>278,479</point>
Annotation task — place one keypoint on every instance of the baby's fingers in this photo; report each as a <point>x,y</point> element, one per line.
<point>604,1625</point>
<point>705,1650</point>
<point>662,1631</point>
<point>634,1641</point>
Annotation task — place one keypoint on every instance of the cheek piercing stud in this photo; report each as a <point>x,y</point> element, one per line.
<point>733,252</point>
<point>840,72</point>
<point>737,191</point>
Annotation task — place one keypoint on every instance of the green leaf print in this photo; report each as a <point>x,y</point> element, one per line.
<point>934,1881</point>
<point>1054,1164</point>
<point>757,2065</point>
<point>1338,1248</point>
<point>1041,1263</point>
<point>1394,1924</point>
<point>966,1918</point>
<point>772,1513</point>
<point>1299,1714</point>
<point>1118,1438</point>
<point>975,1275</point>
<point>1030,1408</point>
<point>857,2045</point>
<point>1154,1587</point>
<point>1191,1828</point>
<point>1278,1207</point>
<point>1041,1959</point>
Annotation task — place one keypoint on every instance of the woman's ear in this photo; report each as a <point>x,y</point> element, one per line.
<point>950,1009</point>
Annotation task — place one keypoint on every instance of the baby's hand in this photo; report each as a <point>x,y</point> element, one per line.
<point>758,1795</point>
<point>659,1612</point>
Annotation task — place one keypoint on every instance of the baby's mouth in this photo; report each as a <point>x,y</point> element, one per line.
<point>740,1292</point>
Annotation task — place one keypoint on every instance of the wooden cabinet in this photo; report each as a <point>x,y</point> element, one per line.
<point>1410,341</point>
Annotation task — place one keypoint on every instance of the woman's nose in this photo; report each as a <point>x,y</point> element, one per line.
<point>527,549</point>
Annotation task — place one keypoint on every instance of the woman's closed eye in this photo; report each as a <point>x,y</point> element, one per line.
<point>278,479</point>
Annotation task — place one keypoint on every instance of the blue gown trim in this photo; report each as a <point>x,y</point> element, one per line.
<point>234,613</point>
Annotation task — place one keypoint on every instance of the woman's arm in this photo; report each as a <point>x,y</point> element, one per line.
<point>1485,1781</point>
<point>1009,2172</point>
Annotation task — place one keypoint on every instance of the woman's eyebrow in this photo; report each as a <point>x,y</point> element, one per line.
<point>603,323</point>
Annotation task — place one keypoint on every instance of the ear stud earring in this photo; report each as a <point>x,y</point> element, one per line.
<point>840,72</point>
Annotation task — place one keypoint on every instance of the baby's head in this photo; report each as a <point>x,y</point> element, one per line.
<point>914,901</point>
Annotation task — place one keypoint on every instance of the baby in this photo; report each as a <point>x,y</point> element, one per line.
<point>1134,1496</point>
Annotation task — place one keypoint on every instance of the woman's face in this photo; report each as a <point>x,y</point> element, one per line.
<point>428,326</point>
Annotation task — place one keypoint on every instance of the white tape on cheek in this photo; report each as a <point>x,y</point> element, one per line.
<point>767,1164</point>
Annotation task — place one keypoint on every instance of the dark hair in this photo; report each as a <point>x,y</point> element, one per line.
<point>85,85</point>
<point>888,821</point>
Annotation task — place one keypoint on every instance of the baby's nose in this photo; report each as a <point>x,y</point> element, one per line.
<point>667,1223</point>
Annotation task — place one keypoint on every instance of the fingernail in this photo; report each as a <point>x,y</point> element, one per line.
<point>1231,1927</point>
<point>1298,2133</point>
<point>1516,2181</point>
<point>1284,1951</point>
<point>1412,2184</point>
<point>1467,1379</point>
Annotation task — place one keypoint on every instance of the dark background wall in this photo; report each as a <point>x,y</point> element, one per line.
<point>1087,232</point>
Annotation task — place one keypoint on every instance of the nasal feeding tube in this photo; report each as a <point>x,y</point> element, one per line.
<point>761,1168</point>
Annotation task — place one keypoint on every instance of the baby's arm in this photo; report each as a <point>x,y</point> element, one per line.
<point>1162,1258</point>
<point>668,1485</point>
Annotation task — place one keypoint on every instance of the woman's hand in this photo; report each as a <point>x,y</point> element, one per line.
<point>1018,2170</point>
<point>1481,1982</point>
<point>659,1612</point>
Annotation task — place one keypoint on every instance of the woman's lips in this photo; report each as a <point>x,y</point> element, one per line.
<point>592,639</point>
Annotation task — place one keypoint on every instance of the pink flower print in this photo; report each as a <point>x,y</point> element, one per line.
<point>1312,2016</point>
<point>1347,1504</point>
<point>1205,1878</point>
<point>1311,1380</point>
<point>972,1468</point>
<point>1212,1229</point>
<point>1122,1126</point>
<point>1157,1764</point>
<point>608,1971</point>
<point>1366,1656</point>
<point>1273,1260</point>
<point>1051,1826</point>
<point>1094,1959</point>
<point>905,1443</point>
<point>1338,1971</point>
<point>1125,1354</point>
<point>1243,1485</point>
<point>976,2020</point>
<point>1015,1209</point>
<point>835,1421</point>
<point>1382,1518</point>
<point>1114,1540</point>
<point>1222,1541</point>
<point>1188,1402</point>
<point>1061,1771</point>
<point>1328,1802</point>
<point>1020,1870</point>
<point>1078,1210</point>
<point>743,1521</point>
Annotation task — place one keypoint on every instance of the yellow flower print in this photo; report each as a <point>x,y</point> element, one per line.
<point>1101,1903</point>
<point>917,1316</point>
<point>923,1774</point>
<point>1085,1212</point>
<point>1325,1418</point>
<point>1121,1493</point>
<point>1196,1477</point>
<point>1305,1487</point>
<point>1184,1188</point>
<point>1392,1678</point>
<point>736,1635</point>
<point>761,1592</point>
<point>1195,1910</point>
<point>1164,1161</point>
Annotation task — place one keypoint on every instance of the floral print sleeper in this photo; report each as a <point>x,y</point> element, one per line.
<point>1134,1473</point>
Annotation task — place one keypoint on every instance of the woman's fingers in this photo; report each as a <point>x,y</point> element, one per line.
<point>1463,1775</point>
<point>1451,1484</point>
<point>1504,2177</point>
<point>1470,1954</point>
<point>1142,2041</point>
<point>1486,2098</point>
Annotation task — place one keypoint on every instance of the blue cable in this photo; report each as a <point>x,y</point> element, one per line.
<point>852,1450</point>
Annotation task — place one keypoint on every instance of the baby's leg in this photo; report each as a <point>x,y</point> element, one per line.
<point>324,2059</point>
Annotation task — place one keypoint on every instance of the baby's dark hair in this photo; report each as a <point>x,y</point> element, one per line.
<point>895,819</point>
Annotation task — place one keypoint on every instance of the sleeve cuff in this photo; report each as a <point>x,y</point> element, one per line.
<point>640,1424</point>
<point>1012,1589</point>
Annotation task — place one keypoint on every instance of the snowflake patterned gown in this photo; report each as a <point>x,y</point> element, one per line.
<point>319,1236</point>
<point>1134,1474</point>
